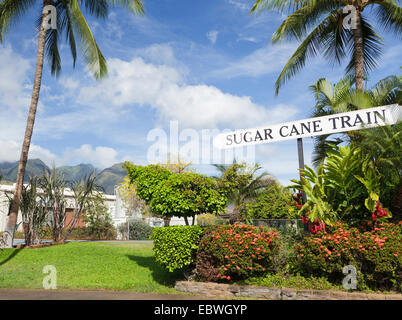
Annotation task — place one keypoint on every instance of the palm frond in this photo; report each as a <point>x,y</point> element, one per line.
<point>297,24</point>
<point>389,15</point>
<point>97,8</point>
<point>388,91</point>
<point>135,6</point>
<point>94,58</point>
<point>309,48</point>
<point>10,12</point>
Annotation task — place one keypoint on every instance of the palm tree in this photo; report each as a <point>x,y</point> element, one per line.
<point>341,97</point>
<point>319,27</point>
<point>242,184</point>
<point>72,25</point>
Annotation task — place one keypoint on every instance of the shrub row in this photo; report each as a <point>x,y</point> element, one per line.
<point>226,253</point>
<point>376,255</point>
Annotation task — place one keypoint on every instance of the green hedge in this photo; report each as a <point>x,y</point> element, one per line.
<point>175,247</point>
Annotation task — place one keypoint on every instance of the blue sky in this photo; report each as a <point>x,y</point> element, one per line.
<point>206,64</point>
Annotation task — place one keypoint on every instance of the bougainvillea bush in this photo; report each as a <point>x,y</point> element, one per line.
<point>236,252</point>
<point>376,255</point>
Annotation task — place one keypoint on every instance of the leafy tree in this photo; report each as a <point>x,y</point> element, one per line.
<point>187,195</point>
<point>170,194</point>
<point>318,25</point>
<point>127,191</point>
<point>72,24</point>
<point>146,178</point>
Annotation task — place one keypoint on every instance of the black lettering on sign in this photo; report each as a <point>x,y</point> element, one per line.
<point>316,125</point>
<point>280,131</point>
<point>294,131</point>
<point>268,133</point>
<point>258,136</point>
<point>377,114</point>
<point>358,120</point>
<point>333,122</point>
<point>304,126</point>
<point>345,119</point>
<point>245,140</point>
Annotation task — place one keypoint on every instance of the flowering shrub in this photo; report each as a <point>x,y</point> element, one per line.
<point>235,252</point>
<point>376,254</point>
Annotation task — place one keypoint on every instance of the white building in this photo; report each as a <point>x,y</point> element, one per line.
<point>115,204</point>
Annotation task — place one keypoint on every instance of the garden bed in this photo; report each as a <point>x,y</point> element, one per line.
<point>234,290</point>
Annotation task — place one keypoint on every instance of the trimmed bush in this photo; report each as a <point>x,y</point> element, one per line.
<point>376,254</point>
<point>236,252</point>
<point>139,230</point>
<point>175,247</point>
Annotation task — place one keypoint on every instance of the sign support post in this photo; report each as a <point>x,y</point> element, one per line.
<point>301,162</point>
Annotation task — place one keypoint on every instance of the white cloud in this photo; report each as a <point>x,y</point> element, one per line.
<point>164,89</point>
<point>239,4</point>
<point>263,61</point>
<point>14,80</point>
<point>100,157</point>
<point>10,151</point>
<point>212,36</point>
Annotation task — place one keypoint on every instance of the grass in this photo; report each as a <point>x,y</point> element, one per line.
<point>112,266</point>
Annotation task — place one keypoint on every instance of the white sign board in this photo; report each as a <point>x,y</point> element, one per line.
<point>336,123</point>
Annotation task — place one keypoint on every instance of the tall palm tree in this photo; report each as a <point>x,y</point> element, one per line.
<point>341,97</point>
<point>318,24</point>
<point>72,25</point>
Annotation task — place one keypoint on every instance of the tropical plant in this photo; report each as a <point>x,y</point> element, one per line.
<point>87,196</point>
<point>241,184</point>
<point>384,147</point>
<point>341,97</point>
<point>271,203</point>
<point>34,213</point>
<point>72,24</point>
<point>344,188</point>
<point>319,27</point>
<point>52,187</point>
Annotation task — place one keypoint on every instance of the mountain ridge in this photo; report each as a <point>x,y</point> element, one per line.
<point>107,178</point>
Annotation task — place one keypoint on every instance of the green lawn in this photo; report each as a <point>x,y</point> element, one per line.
<point>110,266</point>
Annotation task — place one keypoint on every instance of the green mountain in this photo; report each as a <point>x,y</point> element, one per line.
<point>35,167</point>
<point>110,177</point>
<point>72,173</point>
<point>107,178</point>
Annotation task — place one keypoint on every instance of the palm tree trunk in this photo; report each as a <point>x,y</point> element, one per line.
<point>358,52</point>
<point>13,214</point>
